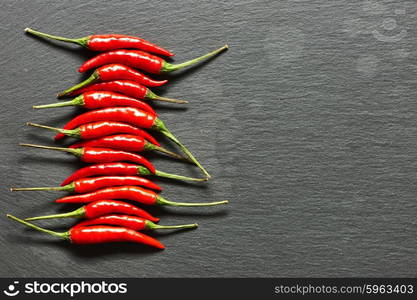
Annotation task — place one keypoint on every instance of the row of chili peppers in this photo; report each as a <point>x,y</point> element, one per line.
<point>111,133</point>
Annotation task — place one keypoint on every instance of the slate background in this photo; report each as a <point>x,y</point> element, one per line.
<point>307,124</point>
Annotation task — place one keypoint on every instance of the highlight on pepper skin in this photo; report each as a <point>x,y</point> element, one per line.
<point>115,72</point>
<point>106,42</point>
<point>97,234</point>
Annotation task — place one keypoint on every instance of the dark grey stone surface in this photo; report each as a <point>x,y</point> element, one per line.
<point>308,125</point>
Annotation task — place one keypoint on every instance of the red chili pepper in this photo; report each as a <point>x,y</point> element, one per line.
<point>126,142</point>
<point>120,168</point>
<point>85,185</point>
<point>133,193</point>
<point>131,222</point>
<point>98,234</point>
<point>100,216</point>
<point>102,208</point>
<point>100,129</point>
<point>126,87</point>
<point>141,60</point>
<point>129,115</point>
<point>94,100</point>
<point>105,42</point>
<point>133,116</point>
<point>101,155</point>
<point>115,72</point>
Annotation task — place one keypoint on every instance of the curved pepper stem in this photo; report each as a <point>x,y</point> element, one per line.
<point>167,67</point>
<point>152,147</point>
<point>66,188</point>
<point>160,126</point>
<point>93,78</point>
<point>178,177</point>
<point>162,201</point>
<point>78,213</point>
<point>152,226</point>
<point>81,41</point>
<point>75,133</point>
<point>62,235</point>
<point>151,95</point>
<point>144,171</point>
<point>77,101</point>
<point>77,152</point>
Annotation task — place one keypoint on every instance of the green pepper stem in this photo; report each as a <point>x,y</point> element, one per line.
<point>159,125</point>
<point>178,177</point>
<point>77,151</point>
<point>78,213</point>
<point>72,133</point>
<point>93,78</point>
<point>62,235</point>
<point>77,101</point>
<point>81,41</point>
<point>163,201</point>
<point>152,226</point>
<point>167,67</point>
<point>66,188</point>
<point>144,171</point>
<point>152,96</point>
<point>152,147</point>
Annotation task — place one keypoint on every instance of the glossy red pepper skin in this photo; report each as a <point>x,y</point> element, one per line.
<point>106,42</point>
<point>112,73</point>
<point>129,115</point>
<point>86,185</point>
<point>132,193</point>
<point>132,222</point>
<point>100,234</point>
<point>142,60</point>
<point>101,208</point>
<point>124,142</point>
<point>133,58</point>
<point>97,234</point>
<point>103,155</point>
<point>104,128</point>
<point>125,87</point>
<point>103,98</point>
<point>115,168</point>
<point>121,72</point>
<point>105,207</point>
<point>100,155</point>
<point>120,168</point>
<point>100,129</point>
